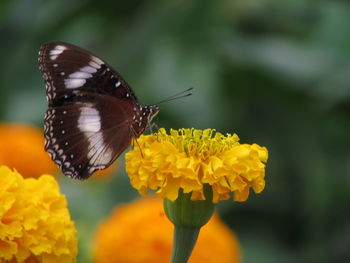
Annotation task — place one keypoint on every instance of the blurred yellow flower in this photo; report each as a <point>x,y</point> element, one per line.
<point>35,224</point>
<point>22,148</point>
<point>190,158</point>
<point>139,232</point>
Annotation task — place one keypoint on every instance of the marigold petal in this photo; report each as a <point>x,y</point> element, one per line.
<point>7,249</point>
<point>35,224</point>
<point>189,158</point>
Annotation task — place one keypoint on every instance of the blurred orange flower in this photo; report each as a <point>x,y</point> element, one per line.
<point>140,233</point>
<point>106,174</point>
<point>22,148</point>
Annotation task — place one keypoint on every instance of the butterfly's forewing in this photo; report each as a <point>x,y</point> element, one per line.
<point>93,114</point>
<point>68,70</point>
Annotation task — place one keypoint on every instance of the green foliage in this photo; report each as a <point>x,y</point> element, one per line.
<point>275,72</point>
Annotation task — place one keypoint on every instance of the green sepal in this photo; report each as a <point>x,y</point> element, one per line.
<point>188,217</point>
<point>187,213</point>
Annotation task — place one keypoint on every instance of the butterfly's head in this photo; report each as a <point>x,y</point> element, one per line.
<point>142,117</point>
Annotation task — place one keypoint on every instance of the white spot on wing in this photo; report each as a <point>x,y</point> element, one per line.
<point>74,83</point>
<point>99,154</point>
<point>89,119</point>
<point>80,75</point>
<point>88,69</point>
<point>89,123</point>
<point>54,53</point>
<point>60,47</point>
<point>94,65</point>
<point>97,60</point>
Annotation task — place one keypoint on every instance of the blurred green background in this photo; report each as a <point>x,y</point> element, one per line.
<point>275,72</point>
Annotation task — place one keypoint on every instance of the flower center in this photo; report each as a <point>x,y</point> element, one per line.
<point>199,143</point>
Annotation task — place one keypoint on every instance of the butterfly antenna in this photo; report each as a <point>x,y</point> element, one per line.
<point>179,95</point>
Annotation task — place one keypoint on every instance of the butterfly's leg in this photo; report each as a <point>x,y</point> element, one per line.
<point>152,126</point>
<point>135,139</point>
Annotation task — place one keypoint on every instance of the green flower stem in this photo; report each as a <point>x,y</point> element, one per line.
<point>188,217</point>
<point>185,239</point>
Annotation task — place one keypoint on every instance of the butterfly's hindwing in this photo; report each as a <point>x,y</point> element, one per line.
<point>86,136</point>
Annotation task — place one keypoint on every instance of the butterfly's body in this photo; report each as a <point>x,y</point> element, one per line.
<point>93,114</point>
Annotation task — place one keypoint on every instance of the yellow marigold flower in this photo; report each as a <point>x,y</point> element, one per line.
<point>22,148</point>
<point>35,224</point>
<point>139,232</point>
<point>188,159</point>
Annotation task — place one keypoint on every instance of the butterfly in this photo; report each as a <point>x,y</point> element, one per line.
<point>93,114</point>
